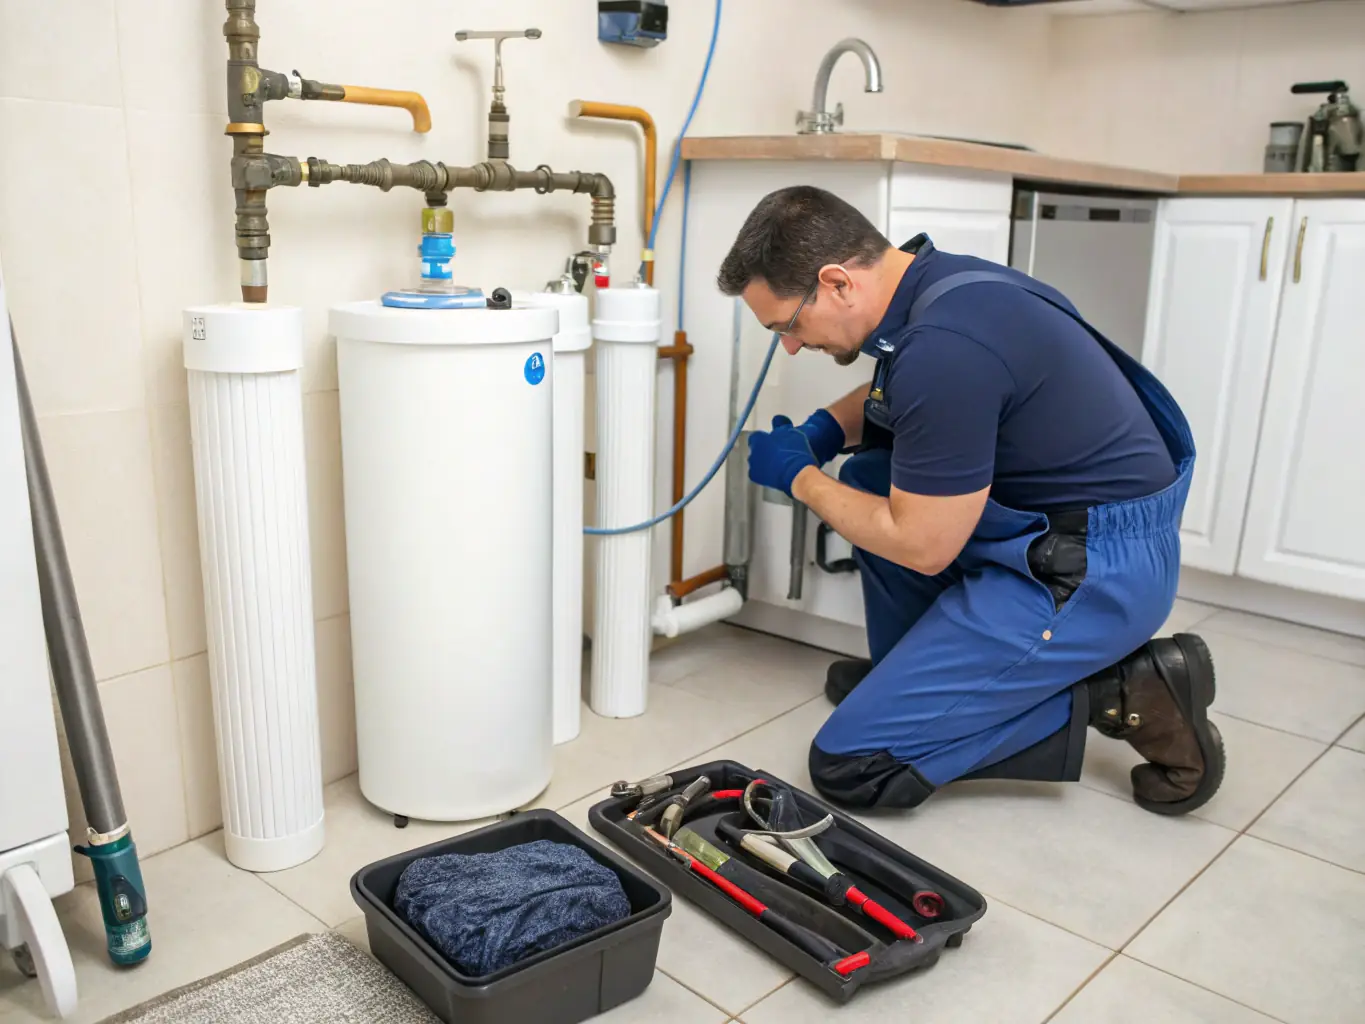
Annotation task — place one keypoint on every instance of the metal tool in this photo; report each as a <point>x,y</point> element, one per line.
<point>837,888</point>
<point>498,119</point>
<point>797,557</point>
<point>645,787</point>
<point>698,856</point>
<point>782,811</point>
<point>674,808</point>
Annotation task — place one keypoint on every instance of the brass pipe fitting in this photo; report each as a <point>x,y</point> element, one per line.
<point>637,115</point>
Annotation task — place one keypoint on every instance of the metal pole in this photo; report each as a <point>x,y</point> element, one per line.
<point>72,671</point>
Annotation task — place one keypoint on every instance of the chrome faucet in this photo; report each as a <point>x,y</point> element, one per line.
<point>820,120</point>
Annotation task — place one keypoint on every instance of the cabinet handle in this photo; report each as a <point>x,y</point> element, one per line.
<point>1298,251</point>
<point>1265,245</point>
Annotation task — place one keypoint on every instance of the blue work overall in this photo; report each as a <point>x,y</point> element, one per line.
<point>978,672</point>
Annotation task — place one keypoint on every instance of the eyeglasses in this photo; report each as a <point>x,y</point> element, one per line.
<point>786,331</point>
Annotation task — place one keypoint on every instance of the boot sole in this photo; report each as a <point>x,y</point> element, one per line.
<point>1194,701</point>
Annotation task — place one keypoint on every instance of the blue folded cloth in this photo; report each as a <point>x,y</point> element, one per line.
<point>486,911</point>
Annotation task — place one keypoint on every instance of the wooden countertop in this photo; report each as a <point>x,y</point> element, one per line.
<point>1020,164</point>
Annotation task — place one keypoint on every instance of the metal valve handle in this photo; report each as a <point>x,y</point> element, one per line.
<point>497,35</point>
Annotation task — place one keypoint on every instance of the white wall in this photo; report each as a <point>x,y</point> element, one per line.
<point>1193,93</point>
<point>115,213</point>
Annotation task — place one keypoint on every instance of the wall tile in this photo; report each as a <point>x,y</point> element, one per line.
<point>101,469</point>
<point>183,218</point>
<point>85,68</point>
<point>177,514</point>
<point>66,242</point>
<point>327,521</point>
<point>140,716</point>
<point>336,698</point>
<point>198,744</point>
<point>173,55</point>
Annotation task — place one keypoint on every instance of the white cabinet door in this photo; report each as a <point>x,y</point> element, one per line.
<point>981,233</point>
<point>1215,287</point>
<point>1304,524</point>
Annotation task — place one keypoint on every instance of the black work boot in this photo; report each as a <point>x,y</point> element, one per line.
<point>1157,699</point>
<point>843,676</point>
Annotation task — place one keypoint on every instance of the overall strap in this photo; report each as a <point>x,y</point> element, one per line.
<point>942,287</point>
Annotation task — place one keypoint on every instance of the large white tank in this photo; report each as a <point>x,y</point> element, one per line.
<point>446,441</point>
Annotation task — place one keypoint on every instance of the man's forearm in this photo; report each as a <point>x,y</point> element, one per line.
<point>848,411</point>
<point>862,519</point>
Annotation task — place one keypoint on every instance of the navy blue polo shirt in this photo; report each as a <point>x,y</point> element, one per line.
<point>995,387</point>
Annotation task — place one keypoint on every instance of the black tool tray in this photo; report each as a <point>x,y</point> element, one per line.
<point>884,871</point>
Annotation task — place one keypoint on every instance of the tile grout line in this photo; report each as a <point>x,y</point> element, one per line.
<point>700,995</point>
<point>1240,834</point>
<point>763,998</point>
<point>689,757</point>
<point>1083,985</point>
<point>1204,988</point>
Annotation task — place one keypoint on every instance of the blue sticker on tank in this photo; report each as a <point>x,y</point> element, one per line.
<point>535,368</point>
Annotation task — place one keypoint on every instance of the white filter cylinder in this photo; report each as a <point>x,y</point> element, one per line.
<point>446,442</point>
<point>627,331</point>
<point>244,364</point>
<point>571,346</point>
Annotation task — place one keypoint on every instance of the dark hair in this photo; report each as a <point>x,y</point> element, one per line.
<point>791,234</point>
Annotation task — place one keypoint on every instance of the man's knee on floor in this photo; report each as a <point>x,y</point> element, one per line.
<point>867,780</point>
<point>868,471</point>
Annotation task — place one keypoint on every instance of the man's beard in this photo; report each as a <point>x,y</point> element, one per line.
<point>847,358</point>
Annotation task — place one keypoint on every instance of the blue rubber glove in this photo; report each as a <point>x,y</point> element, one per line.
<point>825,435</point>
<point>776,457</point>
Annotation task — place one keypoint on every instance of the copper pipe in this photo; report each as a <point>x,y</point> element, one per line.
<point>681,588</point>
<point>617,112</point>
<point>412,102</point>
<point>679,352</point>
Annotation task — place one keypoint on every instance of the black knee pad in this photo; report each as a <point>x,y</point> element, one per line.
<point>871,780</point>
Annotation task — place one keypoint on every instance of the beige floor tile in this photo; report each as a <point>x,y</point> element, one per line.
<point>1324,644</point>
<point>357,834</point>
<point>1355,739</point>
<point>1323,814</point>
<point>1254,679</point>
<point>204,914</point>
<point>694,942</point>
<point>779,747</point>
<point>1185,616</point>
<point>1097,866</point>
<point>1302,966</point>
<point>772,677</point>
<point>678,728</point>
<point>1012,969</point>
<point>1128,992</point>
<point>1261,763</point>
<point>664,1002</point>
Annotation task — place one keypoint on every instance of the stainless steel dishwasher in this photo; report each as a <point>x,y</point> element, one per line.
<point>1096,250</point>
